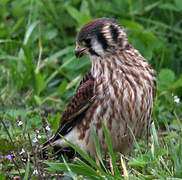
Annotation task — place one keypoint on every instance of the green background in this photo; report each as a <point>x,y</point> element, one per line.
<point>38,69</point>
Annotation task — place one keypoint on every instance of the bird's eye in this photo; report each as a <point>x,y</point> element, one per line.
<point>87,41</point>
<point>83,43</point>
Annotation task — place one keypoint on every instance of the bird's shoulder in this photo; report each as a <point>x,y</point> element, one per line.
<point>81,100</point>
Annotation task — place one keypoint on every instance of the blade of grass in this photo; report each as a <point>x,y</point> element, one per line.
<point>69,170</point>
<point>55,56</point>
<point>174,158</point>
<point>85,156</point>
<point>111,152</point>
<point>27,169</point>
<point>58,70</point>
<point>154,133</point>
<point>171,28</point>
<point>125,172</point>
<point>91,170</point>
<point>61,167</point>
<point>165,166</point>
<point>98,151</point>
<point>29,31</point>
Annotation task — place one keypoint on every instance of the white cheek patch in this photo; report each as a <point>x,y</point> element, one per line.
<point>97,47</point>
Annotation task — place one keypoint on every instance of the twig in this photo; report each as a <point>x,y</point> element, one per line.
<point>34,155</point>
<point>1,120</point>
<point>7,132</point>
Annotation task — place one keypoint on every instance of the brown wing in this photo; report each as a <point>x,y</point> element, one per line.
<point>76,108</point>
<point>80,100</point>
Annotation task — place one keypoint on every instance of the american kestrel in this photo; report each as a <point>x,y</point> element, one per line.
<point>119,90</point>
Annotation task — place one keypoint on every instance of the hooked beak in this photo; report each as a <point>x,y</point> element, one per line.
<point>79,51</point>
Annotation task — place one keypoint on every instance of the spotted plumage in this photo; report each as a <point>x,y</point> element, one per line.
<point>119,89</point>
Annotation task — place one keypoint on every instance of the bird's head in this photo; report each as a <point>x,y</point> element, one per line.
<point>100,37</point>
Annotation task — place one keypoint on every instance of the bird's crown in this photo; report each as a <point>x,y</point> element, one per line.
<point>101,36</point>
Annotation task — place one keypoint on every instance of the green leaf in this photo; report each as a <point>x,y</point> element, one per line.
<point>177,83</point>
<point>27,169</point>
<point>144,41</point>
<point>17,172</point>
<point>85,156</point>
<point>51,34</point>
<point>138,163</point>
<point>154,134</point>
<point>56,55</point>
<point>2,177</point>
<point>165,79</point>
<point>90,170</point>
<point>111,152</point>
<point>62,167</point>
<point>130,24</point>
<point>75,14</point>
<point>38,100</point>
<point>178,4</point>
<point>161,152</point>
<point>85,8</point>
<point>60,69</point>
<point>168,6</point>
<point>175,158</point>
<point>40,84</point>
<point>69,169</point>
<point>18,24</point>
<point>97,145</point>
<point>29,31</point>
<point>62,88</point>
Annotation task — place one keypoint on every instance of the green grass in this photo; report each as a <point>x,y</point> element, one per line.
<point>39,74</point>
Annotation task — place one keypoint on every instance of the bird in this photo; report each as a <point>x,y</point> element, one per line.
<point>118,90</point>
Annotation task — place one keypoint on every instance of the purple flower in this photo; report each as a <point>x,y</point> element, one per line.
<point>9,156</point>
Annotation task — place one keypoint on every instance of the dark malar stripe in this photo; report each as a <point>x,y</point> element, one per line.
<point>93,52</point>
<point>102,40</point>
<point>114,33</point>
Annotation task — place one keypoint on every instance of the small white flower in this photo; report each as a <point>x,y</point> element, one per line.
<point>35,140</point>
<point>39,136</point>
<point>37,131</point>
<point>176,99</point>
<point>47,128</point>
<point>20,123</point>
<point>22,151</point>
<point>35,172</point>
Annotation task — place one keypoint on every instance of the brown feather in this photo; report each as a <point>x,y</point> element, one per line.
<point>125,86</point>
<point>75,109</point>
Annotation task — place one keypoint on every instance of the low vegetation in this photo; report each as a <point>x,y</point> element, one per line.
<point>39,74</point>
